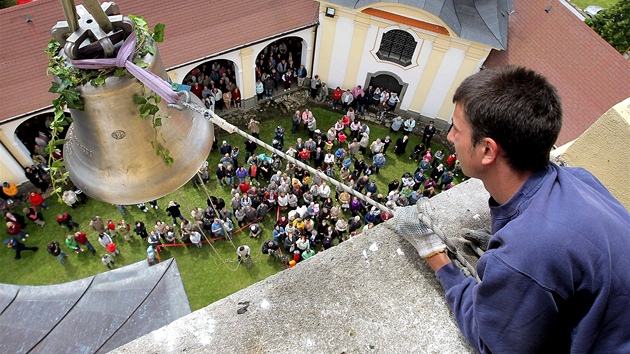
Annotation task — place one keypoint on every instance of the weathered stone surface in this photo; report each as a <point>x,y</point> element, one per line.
<point>372,293</point>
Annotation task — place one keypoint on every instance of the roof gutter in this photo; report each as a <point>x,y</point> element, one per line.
<point>34,112</point>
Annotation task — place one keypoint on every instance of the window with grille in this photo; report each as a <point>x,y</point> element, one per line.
<point>397,46</point>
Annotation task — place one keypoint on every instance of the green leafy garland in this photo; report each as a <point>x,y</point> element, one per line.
<point>68,78</point>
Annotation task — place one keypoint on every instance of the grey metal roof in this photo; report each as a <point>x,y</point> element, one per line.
<point>483,21</point>
<point>91,315</point>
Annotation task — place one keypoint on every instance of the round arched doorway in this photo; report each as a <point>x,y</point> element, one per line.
<point>215,82</point>
<point>386,81</point>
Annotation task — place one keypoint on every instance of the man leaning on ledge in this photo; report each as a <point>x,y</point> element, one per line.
<point>555,276</point>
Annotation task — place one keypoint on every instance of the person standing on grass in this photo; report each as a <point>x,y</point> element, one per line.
<point>82,239</point>
<point>401,145</point>
<point>396,124</point>
<point>16,218</point>
<point>73,244</point>
<point>70,198</point>
<point>97,224</point>
<point>296,119</point>
<point>65,220</point>
<point>18,247</point>
<point>217,228</point>
<point>141,230</point>
<point>243,252</point>
<point>195,238</point>
<point>54,249</point>
<point>429,131</point>
<point>437,158</point>
<point>14,229</point>
<point>33,215</point>
<point>378,162</point>
<point>173,210</point>
<point>108,261</point>
<point>154,240</point>
<point>311,125</point>
<point>37,200</point>
<point>254,128</point>
<point>106,241</point>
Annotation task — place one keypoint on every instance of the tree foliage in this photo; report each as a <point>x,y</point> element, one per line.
<point>613,25</point>
<point>7,3</point>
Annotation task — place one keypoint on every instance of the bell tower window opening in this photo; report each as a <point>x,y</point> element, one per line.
<point>398,47</point>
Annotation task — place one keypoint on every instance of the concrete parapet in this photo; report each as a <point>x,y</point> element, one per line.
<point>372,293</point>
<point>603,149</point>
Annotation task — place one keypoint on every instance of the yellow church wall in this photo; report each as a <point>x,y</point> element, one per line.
<point>426,93</point>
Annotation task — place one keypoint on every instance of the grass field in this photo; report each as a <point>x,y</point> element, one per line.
<point>603,3</point>
<point>209,273</point>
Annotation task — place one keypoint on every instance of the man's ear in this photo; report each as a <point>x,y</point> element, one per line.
<point>490,151</point>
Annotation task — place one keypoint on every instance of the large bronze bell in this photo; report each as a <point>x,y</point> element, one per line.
<point>109,153</point>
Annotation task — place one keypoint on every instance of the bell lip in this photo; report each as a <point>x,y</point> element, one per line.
<point>109,189</point>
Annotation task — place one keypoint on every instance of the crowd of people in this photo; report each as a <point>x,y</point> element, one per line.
<point>308,213</point>
<point>215,84</point>
<point>277,67</point>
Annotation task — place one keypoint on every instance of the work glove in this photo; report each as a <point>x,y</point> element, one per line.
<point>415,226</point>
<point>478,238</point>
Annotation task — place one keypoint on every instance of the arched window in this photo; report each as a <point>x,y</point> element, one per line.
<point>397,46</point>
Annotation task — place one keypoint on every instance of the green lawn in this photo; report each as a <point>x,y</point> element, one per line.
<point>209,273</point>
<point>603,3</point>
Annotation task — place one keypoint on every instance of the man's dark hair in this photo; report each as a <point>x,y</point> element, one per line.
<point>516,107</point>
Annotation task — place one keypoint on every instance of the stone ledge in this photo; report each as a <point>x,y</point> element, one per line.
<point>372,293</point>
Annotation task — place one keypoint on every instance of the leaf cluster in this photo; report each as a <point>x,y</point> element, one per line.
<point>613,25</point>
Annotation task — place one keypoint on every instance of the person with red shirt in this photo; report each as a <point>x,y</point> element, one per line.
<point>346,121</point>
<point>65,219</point>
<point>341,137</point>
<point>196,89</point>
<point>253,173</point>
<point>82,239</point>
<point>337,97</point>
<point>111,228</point>
<point>450,161</point>
<point>14,229</point>
<point>243,186</point>
<point>304,155</point>
<point>236,96</point>
<point>36,200</point>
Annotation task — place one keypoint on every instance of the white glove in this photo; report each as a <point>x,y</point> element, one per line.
<point>414,226</point>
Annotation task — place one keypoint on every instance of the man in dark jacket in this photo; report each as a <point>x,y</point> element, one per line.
<point>174,212</point>
<point>225,148</point>
<point>55,250</point>
<point>250,148</point>
<point>18,247</point>
<point>65,219</point>
<point>429,131</point>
